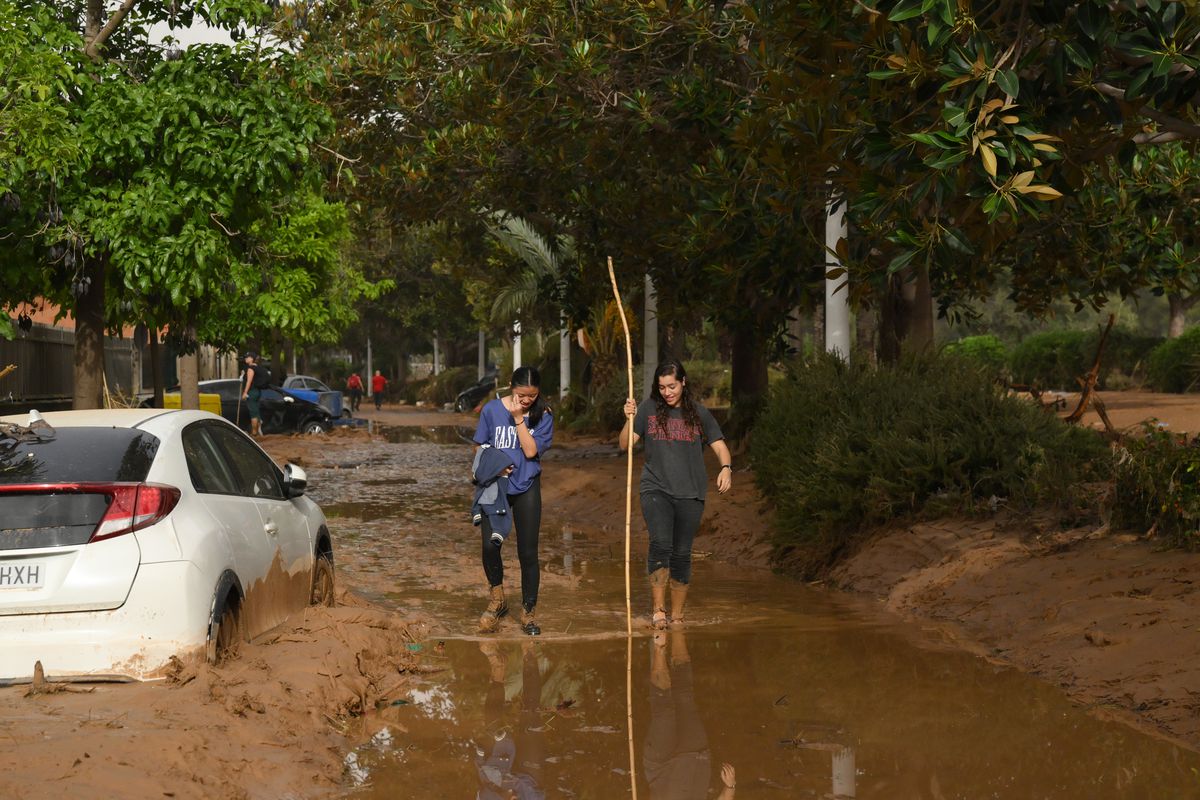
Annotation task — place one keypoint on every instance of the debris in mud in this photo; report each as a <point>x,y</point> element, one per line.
<point>1098,637</point>
<point>40,685</point>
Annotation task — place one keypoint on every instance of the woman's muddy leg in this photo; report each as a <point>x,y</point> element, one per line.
<point>686,522</point>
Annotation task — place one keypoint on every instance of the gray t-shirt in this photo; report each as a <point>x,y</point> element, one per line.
<point>674,455</point>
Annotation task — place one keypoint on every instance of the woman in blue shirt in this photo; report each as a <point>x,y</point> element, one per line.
<point>522,426</point>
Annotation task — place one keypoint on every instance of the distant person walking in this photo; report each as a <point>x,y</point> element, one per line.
<point>378,387</point>
<point>522,427</point>
<point>675,428</point>
<point>255,379</point>
<point>354,387</point>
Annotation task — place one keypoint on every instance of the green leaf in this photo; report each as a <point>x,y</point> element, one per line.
<point>1134,89</point>
<point>932,141</point>
<point>946,160</point>
<point>907,9</point>
<point>1007,80</point>
<point>901,261</point>
<point>1077,55</point>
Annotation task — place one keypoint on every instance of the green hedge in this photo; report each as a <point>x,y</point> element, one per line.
<point>1174,364</point>
<point>986,350</point>
<point>1054,359</point>
<point>839,449</point>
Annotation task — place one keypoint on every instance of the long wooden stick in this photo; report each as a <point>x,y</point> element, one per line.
<point>628,514</point>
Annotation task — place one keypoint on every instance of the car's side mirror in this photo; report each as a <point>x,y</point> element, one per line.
<point>295,481</point>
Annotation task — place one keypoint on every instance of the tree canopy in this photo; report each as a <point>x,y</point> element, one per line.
<point>187,189</point>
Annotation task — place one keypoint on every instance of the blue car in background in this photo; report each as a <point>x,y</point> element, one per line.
<point>316,391</point>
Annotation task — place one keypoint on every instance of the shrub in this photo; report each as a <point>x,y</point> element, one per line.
<point>1173,364</point>
<point>445,386</point>
<point>1157,486</point>
<point>840,448</point>
<point>1054,359</point>
<point>710,382</point>
<point>986,350</point>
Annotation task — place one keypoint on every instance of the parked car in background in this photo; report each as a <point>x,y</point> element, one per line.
<point>315,391</point>
<point>128,536</point>
<point>282,411</point>
<point>470,398</point>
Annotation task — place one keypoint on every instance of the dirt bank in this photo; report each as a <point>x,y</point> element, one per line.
<point>1110,618</point>
<point>270,723</point>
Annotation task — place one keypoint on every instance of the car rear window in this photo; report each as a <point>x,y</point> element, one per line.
<point>76,455</point>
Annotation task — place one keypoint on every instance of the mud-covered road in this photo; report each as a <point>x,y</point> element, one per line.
<point>803,692</point>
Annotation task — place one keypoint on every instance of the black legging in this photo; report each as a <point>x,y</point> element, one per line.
<point>526,511</point>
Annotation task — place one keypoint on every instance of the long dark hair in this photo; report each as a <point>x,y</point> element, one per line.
<point>691,417</point>
<point>529,376</point>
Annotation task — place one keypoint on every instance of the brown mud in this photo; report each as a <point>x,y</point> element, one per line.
<point>1108,618</point>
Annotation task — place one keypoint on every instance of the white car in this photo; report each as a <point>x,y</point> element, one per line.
<point>129,536</point>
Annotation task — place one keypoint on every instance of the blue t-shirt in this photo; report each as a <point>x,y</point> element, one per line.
<point>497,430</point>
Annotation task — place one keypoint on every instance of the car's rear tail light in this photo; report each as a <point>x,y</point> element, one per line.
<point>133,506</point>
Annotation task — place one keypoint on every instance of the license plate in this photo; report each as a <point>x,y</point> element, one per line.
<point>25,575</point>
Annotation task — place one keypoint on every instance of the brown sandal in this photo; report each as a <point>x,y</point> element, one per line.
<point>659,621</point>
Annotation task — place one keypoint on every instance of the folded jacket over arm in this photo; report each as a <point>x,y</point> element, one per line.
<point>491,489</point>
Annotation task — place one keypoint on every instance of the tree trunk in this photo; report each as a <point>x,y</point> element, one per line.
<point>156,371</point>
<point>893,324</point>
<point>402,363</point>
<point>89,339</point>
<point>866,333</point>
<point>1178,318</point>
<point>749,378</point>
<point>650,352</point>
<point>189,373</point>
<point>919,297</point>
<point>795,332</point>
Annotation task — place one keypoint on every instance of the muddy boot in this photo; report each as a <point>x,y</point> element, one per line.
<point>660,672</point>
<point>528,623</point>
<point>678,601</point>
<point>497,663</point>
<point>497,607</point>
<point>658,598</point>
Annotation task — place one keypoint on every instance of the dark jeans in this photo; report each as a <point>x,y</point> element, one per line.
<point>378,400</point>
<point>672,522</point>
<point>526,510</point>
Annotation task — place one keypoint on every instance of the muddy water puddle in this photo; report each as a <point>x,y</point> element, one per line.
<point>804,693</point>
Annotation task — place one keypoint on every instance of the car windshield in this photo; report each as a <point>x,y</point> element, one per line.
<point>78,455</point>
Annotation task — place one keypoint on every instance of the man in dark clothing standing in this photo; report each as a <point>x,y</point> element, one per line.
<point>255,380</point>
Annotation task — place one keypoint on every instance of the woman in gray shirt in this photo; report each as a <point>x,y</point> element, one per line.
<point>675,429</point>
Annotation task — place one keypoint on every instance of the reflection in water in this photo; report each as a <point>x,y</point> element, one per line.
<point>678,763</point>
<point>509,757</point>
<point>435,434</point>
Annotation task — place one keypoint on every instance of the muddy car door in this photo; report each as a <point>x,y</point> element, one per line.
<point>285,585</point>
<point>237,530</point>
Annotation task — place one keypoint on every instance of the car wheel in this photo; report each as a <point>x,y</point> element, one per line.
<point>460,405</point>
<point>322,586</point>
<point>225,634</point>
<point>346,413</point>
<point>314,426</point>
